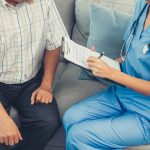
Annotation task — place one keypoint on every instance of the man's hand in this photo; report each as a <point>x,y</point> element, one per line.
<point>42,95</point>
<point>9,133</point>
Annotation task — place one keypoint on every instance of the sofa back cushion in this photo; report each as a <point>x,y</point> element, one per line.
<point>66,10</point>
<point>82,8</point>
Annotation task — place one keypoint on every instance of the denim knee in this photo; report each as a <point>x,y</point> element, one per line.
<point>50,126</point>
<point>4,147</point>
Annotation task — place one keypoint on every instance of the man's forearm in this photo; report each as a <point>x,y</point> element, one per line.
<point>51,61</point>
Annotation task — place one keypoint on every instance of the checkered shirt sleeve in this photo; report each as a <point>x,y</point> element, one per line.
<point>56,28</point>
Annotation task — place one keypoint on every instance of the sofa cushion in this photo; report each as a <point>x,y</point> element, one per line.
<point>81,29</point>
<point>66,10</point>
<point>70,89</point>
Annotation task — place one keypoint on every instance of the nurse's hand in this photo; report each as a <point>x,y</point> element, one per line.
<point>99,68</point>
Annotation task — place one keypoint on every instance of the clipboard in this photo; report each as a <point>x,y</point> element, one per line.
<point>78,54</point>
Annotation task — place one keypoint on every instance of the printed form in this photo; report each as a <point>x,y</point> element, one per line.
<point>78,54</point>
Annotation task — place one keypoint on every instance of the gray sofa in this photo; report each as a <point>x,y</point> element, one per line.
<point>68,89</point>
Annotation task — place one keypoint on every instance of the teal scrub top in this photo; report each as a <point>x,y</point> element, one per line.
<point>137,63</point>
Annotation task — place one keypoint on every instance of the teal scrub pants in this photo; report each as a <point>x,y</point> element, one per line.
<point>101,123</point>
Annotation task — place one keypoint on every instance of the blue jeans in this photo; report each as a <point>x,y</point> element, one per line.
<point>38,122</point>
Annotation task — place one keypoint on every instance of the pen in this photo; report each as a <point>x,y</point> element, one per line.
<point>101,55</point>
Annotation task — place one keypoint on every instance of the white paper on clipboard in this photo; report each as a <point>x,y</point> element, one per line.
<point>78,54</point>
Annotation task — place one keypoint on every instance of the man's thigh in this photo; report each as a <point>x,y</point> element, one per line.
<point>38,121</point>
<point>37,113</point>
<point>117,132</point>
<point>3,147</point>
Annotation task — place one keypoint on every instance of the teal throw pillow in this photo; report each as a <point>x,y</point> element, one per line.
<point>107,29</point>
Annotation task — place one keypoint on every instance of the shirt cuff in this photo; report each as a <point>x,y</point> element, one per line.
<point>53,45</point>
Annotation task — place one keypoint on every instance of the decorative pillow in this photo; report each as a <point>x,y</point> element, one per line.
<point>82,8</point>
<point>107,29</point>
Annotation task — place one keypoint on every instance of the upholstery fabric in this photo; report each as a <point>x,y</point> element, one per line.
<point>66,10</point>
<point>81,29</point>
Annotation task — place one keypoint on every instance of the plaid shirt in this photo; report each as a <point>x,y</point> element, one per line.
<point>25,31</point>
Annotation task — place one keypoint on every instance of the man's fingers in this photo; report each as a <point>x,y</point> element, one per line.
<point>43,99</point>
<point>19,135</point>
<point>50,99</point>
<point>46,100</point>
<point>33,97</point>
<point>11,140</point>
<point>16,139</point>
<point>1,140</point>
<point>38,97</point>
<point>42,96</point>
<point>6,141</point>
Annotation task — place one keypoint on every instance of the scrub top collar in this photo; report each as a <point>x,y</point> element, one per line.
<point>140,20</point>
<point>143,19</point>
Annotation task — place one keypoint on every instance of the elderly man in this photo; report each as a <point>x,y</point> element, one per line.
<point>30,32</point>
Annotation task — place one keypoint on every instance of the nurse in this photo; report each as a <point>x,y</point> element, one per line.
<point>118,117</point>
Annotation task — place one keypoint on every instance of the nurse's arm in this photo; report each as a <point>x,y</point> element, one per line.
<point>139,85</point>
<point>101,69</point>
